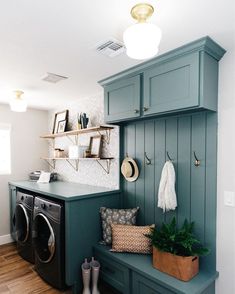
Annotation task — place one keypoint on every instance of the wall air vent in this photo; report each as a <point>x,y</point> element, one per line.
<point>53,78</point>
<point>111,47</point>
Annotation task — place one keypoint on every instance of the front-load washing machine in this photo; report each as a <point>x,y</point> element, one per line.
<point>48,239</point>
<point>23,218</point>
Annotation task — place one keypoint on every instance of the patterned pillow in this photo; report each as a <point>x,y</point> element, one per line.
<point>131,239</point>
<point>116,216</point>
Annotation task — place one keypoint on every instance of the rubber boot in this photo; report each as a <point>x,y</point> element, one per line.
<point>86,277</point>
<point>95,269</point>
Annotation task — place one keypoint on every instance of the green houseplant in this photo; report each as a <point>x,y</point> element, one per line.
<point>176,251</point>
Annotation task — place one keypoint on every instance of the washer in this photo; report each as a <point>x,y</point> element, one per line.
<point>49,242</point>
<point>23,219</point>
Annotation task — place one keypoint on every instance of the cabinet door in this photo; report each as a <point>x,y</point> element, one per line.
<point>114,274</point>
<point>122,99</point>
<point>12,192</point>
<point>141,285</point>
<point>172,85</point>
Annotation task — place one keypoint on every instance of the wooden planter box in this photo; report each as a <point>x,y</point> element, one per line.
<point>180,267</point>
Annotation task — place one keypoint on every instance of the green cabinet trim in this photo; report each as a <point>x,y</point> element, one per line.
<point>205,44</point>
<point>12,197</point>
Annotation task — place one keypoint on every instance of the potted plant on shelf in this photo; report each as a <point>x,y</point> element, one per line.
<point>176,251</point>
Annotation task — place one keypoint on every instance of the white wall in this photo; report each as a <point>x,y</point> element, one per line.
<point>26,149</point>
<point>226,173</point>
<point>89,172</point>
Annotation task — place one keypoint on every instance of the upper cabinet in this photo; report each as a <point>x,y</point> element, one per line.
<point>122,99</point>
<point>182,80</point>
<point>172,85</point>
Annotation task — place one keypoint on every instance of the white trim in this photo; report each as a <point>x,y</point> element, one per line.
<point>5,239</point>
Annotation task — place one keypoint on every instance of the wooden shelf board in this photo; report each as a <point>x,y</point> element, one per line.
<point>67,158</point>
<point>77,132</point>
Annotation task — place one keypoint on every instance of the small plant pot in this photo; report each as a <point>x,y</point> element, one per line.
<point>180,267</point>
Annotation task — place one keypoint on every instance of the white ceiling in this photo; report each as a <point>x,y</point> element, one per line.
<point>59,36</point>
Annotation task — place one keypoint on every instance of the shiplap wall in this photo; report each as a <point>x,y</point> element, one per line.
<point>180,136</point>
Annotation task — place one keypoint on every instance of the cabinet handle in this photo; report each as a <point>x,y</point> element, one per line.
<point>136,111</point>
<point>145,108</point>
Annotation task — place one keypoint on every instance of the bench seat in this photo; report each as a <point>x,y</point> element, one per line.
<point>134,274</point>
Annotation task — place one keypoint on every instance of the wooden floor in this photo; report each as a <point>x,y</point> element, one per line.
<point>18,276</point>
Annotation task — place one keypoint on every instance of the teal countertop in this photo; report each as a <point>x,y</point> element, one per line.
<point>66,191</point>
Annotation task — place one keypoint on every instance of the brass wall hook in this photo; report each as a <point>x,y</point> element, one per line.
<point>197,162</point>
<point>171,159</point>
<point>148,160</point>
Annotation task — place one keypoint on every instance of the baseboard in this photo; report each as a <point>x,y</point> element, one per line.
<point>5,239</point>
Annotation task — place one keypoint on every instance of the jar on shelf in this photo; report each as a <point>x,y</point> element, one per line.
<point>58,153</point>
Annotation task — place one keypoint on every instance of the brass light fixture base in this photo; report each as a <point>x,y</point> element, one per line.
<point>142,11</point>
<point>19,93</point>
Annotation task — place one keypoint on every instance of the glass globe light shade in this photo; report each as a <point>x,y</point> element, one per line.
<point>18,104</point>
<point>142,40</point>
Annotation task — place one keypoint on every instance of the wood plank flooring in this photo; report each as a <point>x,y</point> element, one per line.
<point>19,277</point>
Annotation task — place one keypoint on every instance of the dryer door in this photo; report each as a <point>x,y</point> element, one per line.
<point>21,223</point>
<point>44,240</point>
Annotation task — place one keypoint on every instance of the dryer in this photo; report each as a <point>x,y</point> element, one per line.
<point>23,218</point>
<point>49,243</point>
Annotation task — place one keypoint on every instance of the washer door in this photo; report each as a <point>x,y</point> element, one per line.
<point>44,240</point>
<point>21,223</point>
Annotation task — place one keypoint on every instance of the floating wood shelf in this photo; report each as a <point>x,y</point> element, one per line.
<point>74,161</point>
<point>76,133</point>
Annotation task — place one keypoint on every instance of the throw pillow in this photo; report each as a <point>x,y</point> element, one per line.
<point>131,239</point>
<point>116,216</point>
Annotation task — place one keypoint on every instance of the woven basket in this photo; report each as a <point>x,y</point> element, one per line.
<point>180,267</point>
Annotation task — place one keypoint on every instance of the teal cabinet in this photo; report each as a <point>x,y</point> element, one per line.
<point>114,274</point>
<point>185,83</point>
<point>82,222</point>
<point>183,79</point>
<point>132,273</point>
<point>142,285</point>
<point>122,99</point>
<point>172,85</point>
<point>12,192</point>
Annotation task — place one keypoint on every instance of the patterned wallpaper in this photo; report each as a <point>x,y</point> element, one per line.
<point>89,172</point>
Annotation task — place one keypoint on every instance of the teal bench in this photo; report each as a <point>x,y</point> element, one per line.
<point>134,274</point>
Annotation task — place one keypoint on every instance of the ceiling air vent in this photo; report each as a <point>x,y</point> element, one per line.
<point>53,78</point>
<point>111,47</point>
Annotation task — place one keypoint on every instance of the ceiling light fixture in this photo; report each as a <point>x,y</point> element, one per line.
<point>142,39</point>
<point>18,103</point>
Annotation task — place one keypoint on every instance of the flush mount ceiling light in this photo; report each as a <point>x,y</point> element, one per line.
<point>142,39</point>
<point>18,103</point>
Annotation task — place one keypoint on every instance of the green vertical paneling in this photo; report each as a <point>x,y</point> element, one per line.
<point>160,147</point>
<point>149,174</point>
<point>140,195</point>
<point>198,174</point>
<point>210,202</point>
<point>180,136</point>
<point>123,181</point>
<point>184,169</point>
<point>129,199</point>
<point>171,148</point>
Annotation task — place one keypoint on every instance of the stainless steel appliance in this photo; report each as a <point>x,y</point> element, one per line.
<point>49,241</point>
<point>23,218</point>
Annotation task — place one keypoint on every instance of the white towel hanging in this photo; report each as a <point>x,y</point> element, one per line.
<point>166,192</point>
